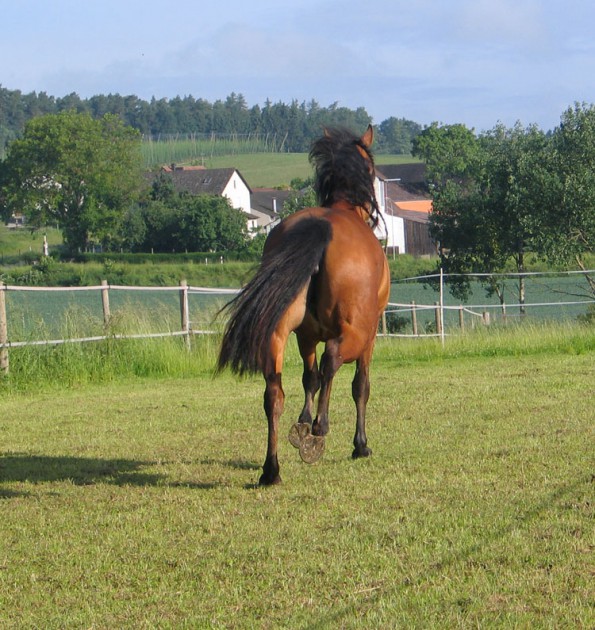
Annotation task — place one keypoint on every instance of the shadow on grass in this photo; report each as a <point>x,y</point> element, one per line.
<point>84,471</point>
<point>80,471</point>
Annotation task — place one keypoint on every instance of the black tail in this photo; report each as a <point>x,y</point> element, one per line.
<point>256,311</point>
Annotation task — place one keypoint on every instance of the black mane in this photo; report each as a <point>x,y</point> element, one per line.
<point>342,172</point>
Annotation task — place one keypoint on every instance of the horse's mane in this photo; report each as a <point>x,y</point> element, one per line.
<point>343,173</point>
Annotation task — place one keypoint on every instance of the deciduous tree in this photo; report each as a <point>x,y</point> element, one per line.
<point>75,171</point>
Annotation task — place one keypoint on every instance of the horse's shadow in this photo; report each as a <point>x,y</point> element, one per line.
<point>85,471</point>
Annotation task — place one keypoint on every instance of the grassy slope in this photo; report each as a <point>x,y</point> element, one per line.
<point>262,170</point>
<point>132,504</point>
<point>21,241</point>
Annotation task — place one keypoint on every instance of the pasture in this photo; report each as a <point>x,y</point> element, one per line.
<point>128,499</point>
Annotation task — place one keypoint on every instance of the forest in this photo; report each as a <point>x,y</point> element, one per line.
<point>293,125</point>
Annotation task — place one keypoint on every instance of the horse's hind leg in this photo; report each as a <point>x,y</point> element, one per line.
<point>360,389</point>
<point>330,362</point>
<point>310,377</point>
<point>274,398</point>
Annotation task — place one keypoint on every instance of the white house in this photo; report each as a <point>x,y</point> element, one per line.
<point>223,182</point>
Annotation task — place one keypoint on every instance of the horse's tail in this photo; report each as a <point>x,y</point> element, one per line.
<point>258,308</point>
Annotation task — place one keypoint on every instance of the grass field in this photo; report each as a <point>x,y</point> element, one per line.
<point>127,499</point>
<point>263,170</point>
<point>260,168</point>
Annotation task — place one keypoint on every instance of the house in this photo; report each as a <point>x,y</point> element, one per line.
<point>405,205</point>
<point>267,204</point>
<point>223,182</point>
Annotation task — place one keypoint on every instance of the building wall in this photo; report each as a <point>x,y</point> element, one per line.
<point>238,193</point>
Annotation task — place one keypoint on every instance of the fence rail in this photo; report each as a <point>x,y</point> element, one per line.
<point>422,320</point>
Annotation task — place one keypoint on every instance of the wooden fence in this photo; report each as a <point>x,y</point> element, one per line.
<point>186,329</point>
<point>410,311</point>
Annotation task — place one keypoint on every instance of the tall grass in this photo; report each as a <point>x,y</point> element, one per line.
<point>75,364</point>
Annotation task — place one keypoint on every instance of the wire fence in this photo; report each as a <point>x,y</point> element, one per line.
<point>424,306</point>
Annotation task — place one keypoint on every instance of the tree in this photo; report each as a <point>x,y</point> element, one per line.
<point>209,223</point>
<point>167,221</point>
<point>396,135</point>
<point>449,151</point>
<point>568,219</point>
<point>305,197</point>
<point>75,171</point>
<point>487,194</point>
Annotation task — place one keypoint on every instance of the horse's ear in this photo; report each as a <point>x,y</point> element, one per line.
<point>368,136</point>
<point>326,133</point>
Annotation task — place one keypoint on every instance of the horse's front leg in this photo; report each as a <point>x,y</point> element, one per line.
<point>274,398</point>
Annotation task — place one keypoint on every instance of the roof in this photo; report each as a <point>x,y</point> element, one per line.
<point>416,210</point>
<point>201,181</point>
<point>168,168</point>
<point>265,200</point>
<point>410,173</point>
<point>411,179</point>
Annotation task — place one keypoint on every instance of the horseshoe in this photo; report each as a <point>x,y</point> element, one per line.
<point>312,448</point>
<point>297,433</point>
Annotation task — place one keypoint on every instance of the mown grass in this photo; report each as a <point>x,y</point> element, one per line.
<point>127,495</point>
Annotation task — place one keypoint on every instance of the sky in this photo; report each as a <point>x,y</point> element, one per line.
<point>475,62</point>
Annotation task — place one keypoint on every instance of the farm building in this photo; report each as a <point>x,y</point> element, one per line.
<point>261,205</point>
<point>405,205</point>
<point>400,189</point>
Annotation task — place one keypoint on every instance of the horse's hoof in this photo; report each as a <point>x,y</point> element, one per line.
<point>267,480</point>
<point>361,452</point>
<point>312,448</point>
<point>297,433</point>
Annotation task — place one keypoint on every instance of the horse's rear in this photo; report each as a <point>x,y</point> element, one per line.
<point>325,277</point>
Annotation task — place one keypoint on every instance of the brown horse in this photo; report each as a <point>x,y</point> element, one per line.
<point>324,276</point>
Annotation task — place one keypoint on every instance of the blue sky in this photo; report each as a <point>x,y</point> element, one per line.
<point>477,62</point>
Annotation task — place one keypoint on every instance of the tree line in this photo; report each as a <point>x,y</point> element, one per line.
<point>296,123</point>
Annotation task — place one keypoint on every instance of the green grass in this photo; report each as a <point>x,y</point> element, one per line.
<point>127,496</point>
<point>263,170</point>
<point>25,243</point>
<point>261,166</point>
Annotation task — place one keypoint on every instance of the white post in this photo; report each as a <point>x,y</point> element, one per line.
<point>3,331</point>
<point>442,305</point>
<point>105,302</point>
<point>184,316</point>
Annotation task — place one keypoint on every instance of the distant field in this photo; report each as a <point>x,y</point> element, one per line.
<point>263,170</point>
<point>19,241</point>
<point>260,170</point>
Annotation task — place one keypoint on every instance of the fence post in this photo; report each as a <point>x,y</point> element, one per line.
<point>184,311</point>
<point>105,302</point>
<point>438,319</point>
<point>462,318</point>
<point>486,318</point>
<point>414,317</point>
<point>3,331</point>
<point>384,323</point>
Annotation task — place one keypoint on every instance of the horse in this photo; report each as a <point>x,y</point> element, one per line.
<point>324,276</point>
